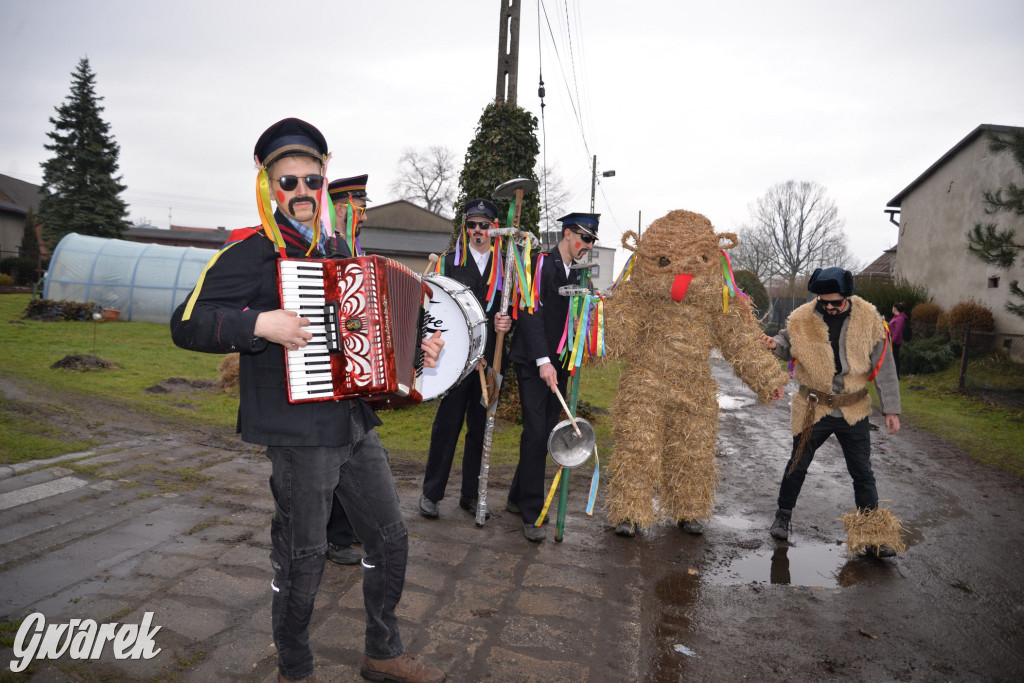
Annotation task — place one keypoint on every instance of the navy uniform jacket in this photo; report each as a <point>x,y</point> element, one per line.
<point>537,335</point>
<point>469,275</point>
<point>240,285</point>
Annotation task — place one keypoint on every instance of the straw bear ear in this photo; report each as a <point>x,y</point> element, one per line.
<point>628,237</point>
<point>730,236</point>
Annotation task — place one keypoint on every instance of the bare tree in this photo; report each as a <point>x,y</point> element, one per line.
<point>755,253</point>
<point>427,178</point>
<point>803,227</point>
<point>554,200</point>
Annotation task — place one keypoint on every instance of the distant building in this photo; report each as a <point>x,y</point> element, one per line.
<point>398,230</point>
<point>938,209</point>
<point>881,268</point>
<point>16,198</point>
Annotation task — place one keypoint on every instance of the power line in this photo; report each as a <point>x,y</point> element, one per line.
<point>561,67</point>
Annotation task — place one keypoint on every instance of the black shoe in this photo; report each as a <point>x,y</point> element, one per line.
<point>881,551</point>
<point>780,527</point>
<point>469,505</point>
<point>512,507</point>
<point>428,508</point>
<point>343,554</point>
<point>536,534</point>
<point>691,526</point>
<point>625,529</point>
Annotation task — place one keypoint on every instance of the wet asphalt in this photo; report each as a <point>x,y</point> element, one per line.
<point>177,524</point>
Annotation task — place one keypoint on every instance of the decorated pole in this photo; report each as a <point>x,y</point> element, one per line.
<point>513,189</point>
<point>578,296</point>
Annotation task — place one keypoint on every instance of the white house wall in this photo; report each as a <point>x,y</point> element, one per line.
<point>934,220</point>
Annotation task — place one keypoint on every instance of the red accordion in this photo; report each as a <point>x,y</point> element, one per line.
<point>367,318</point>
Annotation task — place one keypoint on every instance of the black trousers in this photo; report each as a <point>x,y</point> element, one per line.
<point>461,404</point>
<point>855,441</point>
<point>541,410</point>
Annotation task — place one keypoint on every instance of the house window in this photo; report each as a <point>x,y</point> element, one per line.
<point>993,282</point>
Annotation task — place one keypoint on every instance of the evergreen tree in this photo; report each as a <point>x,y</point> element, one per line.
<point>997,247</point>
<point>29,239</point>
<point>749,283</point>
<point>80,181</point>
<point>505,147</point>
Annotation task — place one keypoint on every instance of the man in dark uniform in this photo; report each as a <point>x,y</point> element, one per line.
<point>462,402</point>
<point>538,368</point>
<point>349,198</point>
<point>314,447</point>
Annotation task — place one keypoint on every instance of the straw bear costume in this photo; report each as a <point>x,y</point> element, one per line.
<point>664,322</point>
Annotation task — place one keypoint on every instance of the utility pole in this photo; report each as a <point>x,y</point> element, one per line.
<point>508,53</point>
<point>593,182</point>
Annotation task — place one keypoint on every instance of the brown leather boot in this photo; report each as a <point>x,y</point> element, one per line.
<point>403,669</point>
<point>282,679</point>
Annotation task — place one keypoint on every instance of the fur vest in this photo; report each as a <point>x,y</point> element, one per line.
<point>815,366</point>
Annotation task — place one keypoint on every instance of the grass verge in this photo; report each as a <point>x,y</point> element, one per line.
<point>145,356</point>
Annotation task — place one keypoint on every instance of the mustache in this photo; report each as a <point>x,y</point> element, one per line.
<point>296,200</point>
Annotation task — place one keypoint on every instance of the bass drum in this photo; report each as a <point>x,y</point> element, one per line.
<point>455,311</point>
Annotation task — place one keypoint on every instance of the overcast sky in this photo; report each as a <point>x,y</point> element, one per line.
<point>698,106</point>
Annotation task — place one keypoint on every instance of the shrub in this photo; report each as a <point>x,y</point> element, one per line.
<point>6,279</point>
<point>50,310</point>
<point>885,294</point>
<point>752,287</point>
<point>924,356</point>
<point>926,317</point>
<point>979,317</point>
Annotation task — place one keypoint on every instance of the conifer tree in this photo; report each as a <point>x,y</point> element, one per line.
<point>505,147</point>
<point>29,239</point>
<point>997,247</point>
<point>80,181</point>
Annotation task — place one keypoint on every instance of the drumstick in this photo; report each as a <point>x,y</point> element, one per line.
<point>567,411</point>
<point>431,260</point>
<point>483,383</point>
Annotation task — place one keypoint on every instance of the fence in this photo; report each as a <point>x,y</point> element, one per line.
<point>25,272</point>
<point>983,376</point>
<point>779,312</point>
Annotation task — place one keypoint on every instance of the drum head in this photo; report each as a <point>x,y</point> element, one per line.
<point>569,449</point>
<point>450,312</point>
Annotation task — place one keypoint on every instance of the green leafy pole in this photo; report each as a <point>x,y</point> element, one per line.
<point>505,147</point>
<point>80,181</point>
<point>997,247</point>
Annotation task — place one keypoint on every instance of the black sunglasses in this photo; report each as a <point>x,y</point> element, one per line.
<point>585,236</point>
<point>290,182</point>
<point>477,225</point>
<point>832,304</point>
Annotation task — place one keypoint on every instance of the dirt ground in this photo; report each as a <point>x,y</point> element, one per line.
<point>734,604</point>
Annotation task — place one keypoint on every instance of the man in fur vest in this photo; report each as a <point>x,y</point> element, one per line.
<point>839,343</point>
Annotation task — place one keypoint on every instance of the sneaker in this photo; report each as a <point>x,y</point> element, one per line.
<point>343,554</point>
<point>469,505</point>
<point>403,669</point>
<point>780,527</point>
<point>428,508</point>
<point>536,534</point>
<point>691,526</point>
<point>881,551</point>
<point>625,529</point>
